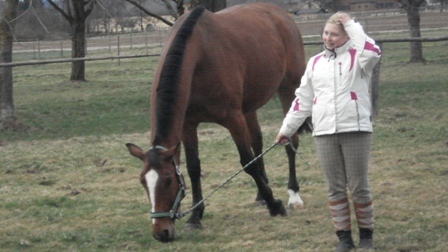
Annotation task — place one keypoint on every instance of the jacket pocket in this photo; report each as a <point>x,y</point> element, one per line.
<point>354,98</point>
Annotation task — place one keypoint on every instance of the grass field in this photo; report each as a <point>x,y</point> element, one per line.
<point>67,182</point>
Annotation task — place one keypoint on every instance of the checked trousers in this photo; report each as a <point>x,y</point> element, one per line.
<point>344,160</point>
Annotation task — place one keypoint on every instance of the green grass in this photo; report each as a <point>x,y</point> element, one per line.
<point>68,183</point>
<point>54,107</point>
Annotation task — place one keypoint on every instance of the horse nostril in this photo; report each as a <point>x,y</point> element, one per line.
<point>166,233</point>
<point>163,236</point>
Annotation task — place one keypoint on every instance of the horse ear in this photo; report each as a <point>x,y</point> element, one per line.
<point>171,151</point>
<point>136,151</point>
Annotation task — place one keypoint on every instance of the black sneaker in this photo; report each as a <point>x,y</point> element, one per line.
<point>345,241</point>
<point>365,239</point>
<point>344,247</point>
<point>365,245</point>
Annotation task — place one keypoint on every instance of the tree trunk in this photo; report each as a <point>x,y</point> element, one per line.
<point>413,14</point>
<point>180,7</point>
<point>76,13</point>
<point>211,5</point>
<point>375,86</point>
<point>9,12</point>
<point>78,51</point>
<point>215,5</point>
<point>416,52</point>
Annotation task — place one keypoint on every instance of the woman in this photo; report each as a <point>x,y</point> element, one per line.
<point>335,91</point>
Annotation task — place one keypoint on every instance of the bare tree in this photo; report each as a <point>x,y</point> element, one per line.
<point>413,14</point>
<point>76,13</point>
<point>8,12</point>
<point>443,3</point>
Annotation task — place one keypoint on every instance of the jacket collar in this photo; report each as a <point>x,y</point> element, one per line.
<point>337,51</point>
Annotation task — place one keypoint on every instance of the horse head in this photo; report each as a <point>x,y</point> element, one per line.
<point>164,185</point>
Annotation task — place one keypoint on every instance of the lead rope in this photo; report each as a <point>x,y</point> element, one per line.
<point>188,211</point>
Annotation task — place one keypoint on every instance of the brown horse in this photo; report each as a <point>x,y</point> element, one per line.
<point>217,67</point>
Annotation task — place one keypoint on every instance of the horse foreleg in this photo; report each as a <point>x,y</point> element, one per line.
<point>239,131</point>
<point>294,202</point>
<point>190,141</point>
<point>257,147</point>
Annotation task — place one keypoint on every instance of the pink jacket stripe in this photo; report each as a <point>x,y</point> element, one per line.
<point>371,47</point>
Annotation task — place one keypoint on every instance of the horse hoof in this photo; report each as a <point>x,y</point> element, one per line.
<point>192,226</point>
<point>283,212</point>
<point>277,208</point>
<point>260,202</point>
<point>295,206</point>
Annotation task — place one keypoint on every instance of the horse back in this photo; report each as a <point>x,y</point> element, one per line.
<point>244,54</point>
<point>233,61</point>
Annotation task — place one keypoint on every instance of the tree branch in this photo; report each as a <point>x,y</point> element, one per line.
<point>149,13</point>
<point>63,13</point>
<point>40,22</point>
<point>23,14</point>
<point>170,9</point>
<point>90,8</point>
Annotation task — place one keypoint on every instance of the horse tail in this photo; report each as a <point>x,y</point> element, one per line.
<point>167,88</point>
<point>306,127</point>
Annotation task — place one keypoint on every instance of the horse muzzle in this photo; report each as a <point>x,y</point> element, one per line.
<point>164,232</point>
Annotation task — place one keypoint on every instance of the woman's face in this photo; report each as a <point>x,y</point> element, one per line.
<point>333,36</point>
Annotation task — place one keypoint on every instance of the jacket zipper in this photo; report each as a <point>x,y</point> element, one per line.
<point>335,96</point>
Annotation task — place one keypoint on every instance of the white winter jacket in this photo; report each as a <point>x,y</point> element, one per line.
<point>335,88</point>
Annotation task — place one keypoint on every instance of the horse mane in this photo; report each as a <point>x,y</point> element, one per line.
<point>167,88</point>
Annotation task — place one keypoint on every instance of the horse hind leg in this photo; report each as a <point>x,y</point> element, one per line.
<point>240,134</point>
<point>257,147</point>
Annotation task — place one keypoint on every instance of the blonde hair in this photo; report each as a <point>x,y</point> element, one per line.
<point>334,19</point>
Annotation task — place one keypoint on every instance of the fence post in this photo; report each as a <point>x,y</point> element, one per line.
<point>375,86</point>
<point>34,50</point>
<point>38,49</point>
<point>118,48</point>
<point>62,48</point>
<point>146,42</point>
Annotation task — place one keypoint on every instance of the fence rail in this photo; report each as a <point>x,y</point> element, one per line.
<point>54,61</point>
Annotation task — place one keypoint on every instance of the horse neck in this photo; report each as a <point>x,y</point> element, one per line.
<point>173,135</point>
<point>172,86</point>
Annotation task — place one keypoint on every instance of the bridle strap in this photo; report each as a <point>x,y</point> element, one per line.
<point>171,213</point>
<point>174,213</point>
<point>159,147</point>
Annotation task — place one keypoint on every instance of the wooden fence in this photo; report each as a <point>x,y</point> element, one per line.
<point>375,76</point>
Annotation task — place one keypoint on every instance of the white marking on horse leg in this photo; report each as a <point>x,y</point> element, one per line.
<point>151,181</point>
<point>295,201</point>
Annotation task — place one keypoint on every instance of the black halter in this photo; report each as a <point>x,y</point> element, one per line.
<point>174,213</point>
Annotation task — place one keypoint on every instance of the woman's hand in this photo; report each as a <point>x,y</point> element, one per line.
<point>344,18</point>
<point>281,139</point>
